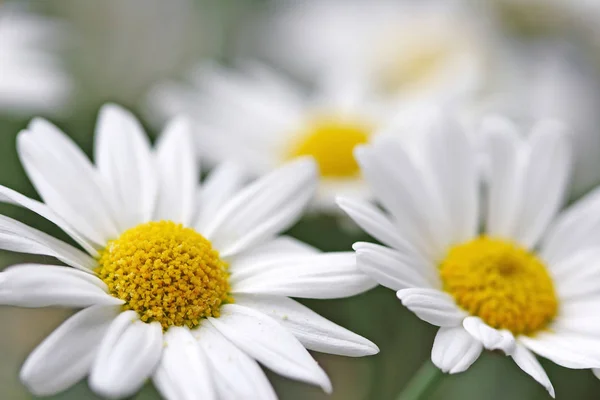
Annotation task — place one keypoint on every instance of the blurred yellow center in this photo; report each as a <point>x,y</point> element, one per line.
<point>167,273</point>
<point>504,284</point>
<point>331,143</point>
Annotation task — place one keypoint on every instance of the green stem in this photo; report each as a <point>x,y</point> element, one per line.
<point>422,383</point>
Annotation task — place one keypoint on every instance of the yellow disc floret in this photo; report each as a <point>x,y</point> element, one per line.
<point>165,272</point>
<point>504,284</point>
<point>331,142</point>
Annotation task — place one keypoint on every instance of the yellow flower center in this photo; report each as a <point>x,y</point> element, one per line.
<point>331,143</point>
<point>504,284</point>
<point>165,272</point>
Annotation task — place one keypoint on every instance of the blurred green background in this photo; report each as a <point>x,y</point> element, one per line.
<point>405,341</point>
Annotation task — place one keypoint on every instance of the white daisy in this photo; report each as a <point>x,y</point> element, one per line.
<point>526,282</point>
<point>414,50</point>
<point>31,77</point>
<point>183,284</point>
<point>263,120</point>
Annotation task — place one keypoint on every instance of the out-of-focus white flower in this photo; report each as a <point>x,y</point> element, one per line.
<point>122,47</point>
<point>410,49</point>
<point>546,81</point>
<point>31,77</point>
<point>183,283</point>
<point>262,120</point>
<point>520,280</point>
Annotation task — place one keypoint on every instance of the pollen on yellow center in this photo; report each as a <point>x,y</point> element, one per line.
<point>505,285</point>
<point>165,272</point>
<point>331,143</point>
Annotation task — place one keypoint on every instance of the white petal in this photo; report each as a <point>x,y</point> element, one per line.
<point>282,246</point>
<point>31,285</point>
<point>374,222</point>
<point>431,305</point>
<point>492,339</point>
<point>124,157</point>
<point>41,209</point>
<point>264,208</point>
<point>183,372</point>
<point>579,316</point>
<point>578,276</point>
<point>179,173</point>
<point>400,187</point>
<point>66,356</point>
<point>313,331</point>
<point>319,276</point>
<point>127,356</point>
<point>270,344</point>
<point>15,236</point>
<point>505,151</point>
<point>221,185</point>
<point>67,181</point>
<point>528,363</point>
<point>570,351</point>
<point>454,350</point>
<point>455,176</point>
<point>545,183</point>
<point>236,375</point>
<point>393,269</point>
<point>576,228</point>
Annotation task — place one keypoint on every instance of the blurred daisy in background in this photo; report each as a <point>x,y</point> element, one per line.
<point>410,50</point>
<point>32,77</point>
<point>262,119</point>
<point>184,284</point>
<point>121,48</point>
<point>548,80</point>
<point>526,283</point>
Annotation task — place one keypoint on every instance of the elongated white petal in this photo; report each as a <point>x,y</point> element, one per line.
<point>579,316</point>
<point>507,162</point>
<point>454,350</point>
<point>16,236</point>
<point>183,372</point>
<point>374,222</point>
<point>179,173</point>
<point>578,276</point>
<point>492,339</point>
<point>265,340</point>
<point>545,183</point>
<point>431,305</point>
<point>455,176</point>
<point>43,210</point>
<point>67,181</point>
<point>393,269</point>
<point>319,276</point>
<point>127,356</point>
<point>236,375</point>
<point>313,331</point>
<point>124,157</point>
<point>400,187</point>
<point>569,350</point>
<point>220,186</point>
<point>576,228</point>
<point>32,285</point>
<point>528,363</point>
<point>271,251</point>
<point>264,208</point>
<point>65,357</point>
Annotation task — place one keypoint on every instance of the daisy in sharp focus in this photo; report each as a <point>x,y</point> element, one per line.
<point>187,285</point>
<point>31,77</point>
<point>525,283</point>
<point>263,120</point>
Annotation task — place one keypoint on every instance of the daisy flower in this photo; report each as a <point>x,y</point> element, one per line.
<point>525,283</point>
<point>184,284</point>
<point>276,121</point>
<point>412,50</point>
<point>31,78</point>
